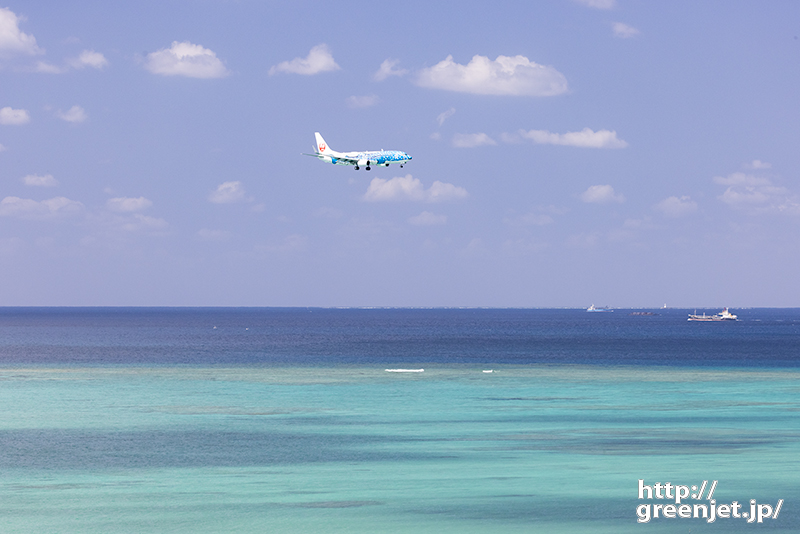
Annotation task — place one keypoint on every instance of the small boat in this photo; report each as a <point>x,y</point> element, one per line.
<point>593,309</point>
<point>724,315</point>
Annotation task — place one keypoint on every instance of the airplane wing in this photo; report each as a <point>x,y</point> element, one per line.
<point>337,160</point>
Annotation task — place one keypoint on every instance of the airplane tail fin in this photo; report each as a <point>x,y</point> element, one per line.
<point>322,146</point>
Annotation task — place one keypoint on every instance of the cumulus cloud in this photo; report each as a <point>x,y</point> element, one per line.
<point>387,69</point>
<point>14,116</point>
<point>516,76</point>
<point>742,179</point>
<point>367,101</point>
<point>228,193</point>
<point>472,140</point>
<point>676,206</point>
<point>409,188</point>
<point>748,195</point>
<point>445,115</point>
<point>426,218</point>
<point>12,40</point>
<point>757,194</point>
<point>758,164</point>
<point>599,4</point>
<point>586,138</point>
<point>141,222</point>
<point>185,59</point>
<point>623,31</point>
<point>601,194</point>
<point>89,58</point>
<point>26,208</point>
<point>128,204</point>
<point>35,180</point>
<point>319,59</point>
<point>48,68</point>
<point>73,114</point>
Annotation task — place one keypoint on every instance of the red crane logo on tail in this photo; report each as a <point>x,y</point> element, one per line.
<point>322,147</point>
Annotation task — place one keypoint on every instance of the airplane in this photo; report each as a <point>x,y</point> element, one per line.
<point>375,157</point>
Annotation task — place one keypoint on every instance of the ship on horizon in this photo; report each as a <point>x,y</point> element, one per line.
<point>724,315</point>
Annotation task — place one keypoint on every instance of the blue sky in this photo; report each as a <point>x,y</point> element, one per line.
<point>566,152</point>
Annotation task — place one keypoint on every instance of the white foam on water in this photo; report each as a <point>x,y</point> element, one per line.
<point>405,370</point>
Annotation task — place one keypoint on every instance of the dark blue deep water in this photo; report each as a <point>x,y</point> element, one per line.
<point>766,338</point>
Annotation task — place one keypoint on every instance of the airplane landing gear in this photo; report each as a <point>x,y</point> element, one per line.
<point>356,167</point>
<point>367,167</point>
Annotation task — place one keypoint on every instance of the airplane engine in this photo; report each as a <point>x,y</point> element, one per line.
<point>363,162</point>
<point>327,159</point>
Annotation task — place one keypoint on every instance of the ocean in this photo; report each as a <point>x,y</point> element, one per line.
<point>306,420</point>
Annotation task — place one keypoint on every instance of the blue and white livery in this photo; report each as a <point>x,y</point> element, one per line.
<point>359,159</point>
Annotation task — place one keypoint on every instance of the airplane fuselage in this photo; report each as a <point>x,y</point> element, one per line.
<point>358,159</point>
<point>374,157</point>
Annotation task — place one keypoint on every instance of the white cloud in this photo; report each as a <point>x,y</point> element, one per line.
<point>506,75</point>
<point>601,194</point>
<point>742,179</point>
<point>623,31</point>
<point>319,59</point>
<point>472,140</point>
<point>441,191</point>
<point>73,114</point>
<point>676,206</point>
<point>362,101</point>
<point>186,59</point>
<point>409,188</point>
<point>48,68</point>
<point>128,204</point>
<point>757,194</point>
<point>89,58</point>
<point>387,69</point>
<point>741,197</point>
<point>426,218</point>
<point>25,208</point>
<point>12,40</point>
<point>40,181</point>
<point>586,138</point>
<point>599,4</point>
<point>445,115</point>
<point>144,222</point>
<point>758,164</point>
<point>14,116</point>
<point>228,193</point>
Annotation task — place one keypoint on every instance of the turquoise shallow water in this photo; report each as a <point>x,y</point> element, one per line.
<point>353,448</point>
